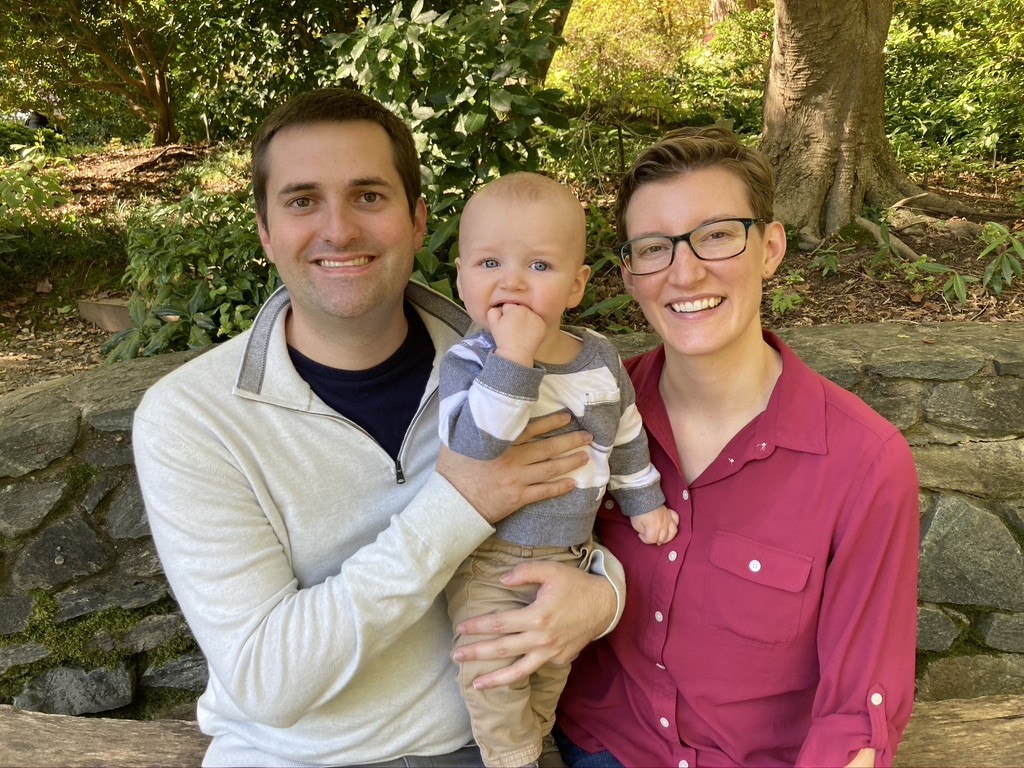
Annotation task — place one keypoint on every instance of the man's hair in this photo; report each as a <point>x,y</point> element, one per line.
<point>335,105</point>
<point>689,149</point>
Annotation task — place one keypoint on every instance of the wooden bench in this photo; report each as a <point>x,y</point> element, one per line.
<point>963,732</point>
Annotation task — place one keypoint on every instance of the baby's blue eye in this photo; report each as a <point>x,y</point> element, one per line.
<point>540,266</point>
<point>490,263</point>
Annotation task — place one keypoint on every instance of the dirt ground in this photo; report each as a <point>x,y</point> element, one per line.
<point>39,342</point>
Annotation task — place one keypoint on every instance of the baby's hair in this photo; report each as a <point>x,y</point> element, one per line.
<point>528,187</point>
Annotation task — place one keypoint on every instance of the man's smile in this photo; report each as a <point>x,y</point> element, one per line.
<point>358,261</point>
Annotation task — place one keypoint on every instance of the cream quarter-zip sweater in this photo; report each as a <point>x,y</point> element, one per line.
<point>310,576</point>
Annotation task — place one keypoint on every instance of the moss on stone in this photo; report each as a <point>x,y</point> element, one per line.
<point>178,646</point>
<point>69,643</point>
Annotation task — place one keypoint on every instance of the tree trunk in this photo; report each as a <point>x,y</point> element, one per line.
<point>824,130</point>
<point>560,14</point>
<point>720,9</point>
<point>165,130</point>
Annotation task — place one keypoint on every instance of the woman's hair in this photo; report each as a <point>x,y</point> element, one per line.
<point>689,149</point>
<point>335,105</point>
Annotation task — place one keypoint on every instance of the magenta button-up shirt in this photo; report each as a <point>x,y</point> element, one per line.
<point>778,627</point>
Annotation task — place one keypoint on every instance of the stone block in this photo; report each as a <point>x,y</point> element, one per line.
<point>24,504</point>
<point>936,631</point>
<point>897,401</point>
<point>188,673</point>
<point>987,406</point>
<point>14,613</point>
<point>969,557</point>
<point>964,677</point>
<point>37,427</point>
<point>993,470</point>
<point>109,314</point>
<point>1004,631</point>
<point>101,486</point>
<point>109,395</point>
<point>932,363</point>
<point>138,558</point>
<point>34,739</point>
<point>1013,512</point>
<point>67,691</point>
<point>126,518</point>
<point>633,344</point>
<point>25,653</point>
<point>106,449</point>
<point>66,550</point>
<point>836,357</point>
<point>150,633</point>
<point>115,591</point>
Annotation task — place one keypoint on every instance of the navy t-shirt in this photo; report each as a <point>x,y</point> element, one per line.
<point>383,399</point>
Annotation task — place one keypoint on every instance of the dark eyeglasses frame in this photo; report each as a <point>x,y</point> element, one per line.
<point>620,249</point>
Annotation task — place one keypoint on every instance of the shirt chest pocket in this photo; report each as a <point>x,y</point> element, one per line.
<point>601,413</point>
<point>754,591</point>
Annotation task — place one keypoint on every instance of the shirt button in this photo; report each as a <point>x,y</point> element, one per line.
<point>659,616</point>
<point>754,566</point>
<point>876,699</point>
<point>684,764</point>
<point>664,722</point>
<point>609,504</point>
<point>686,495</point>
<point>672,556</point>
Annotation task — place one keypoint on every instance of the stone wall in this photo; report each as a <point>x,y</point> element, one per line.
<point>87,623</point>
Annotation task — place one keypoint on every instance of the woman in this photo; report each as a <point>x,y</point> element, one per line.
<point>778,627</point>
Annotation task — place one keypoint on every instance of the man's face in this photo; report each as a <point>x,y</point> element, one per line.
<point>338,226</point>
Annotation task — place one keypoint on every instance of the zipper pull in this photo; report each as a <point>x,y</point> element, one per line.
<point>399,474</point>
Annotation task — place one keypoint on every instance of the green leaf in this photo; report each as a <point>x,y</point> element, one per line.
<point>500,100</point>
<point>442,233</point>
<point>608,307</point>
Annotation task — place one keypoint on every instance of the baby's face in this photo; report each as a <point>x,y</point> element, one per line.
<point>527,253</point>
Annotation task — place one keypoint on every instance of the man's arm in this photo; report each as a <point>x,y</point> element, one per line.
<point>572,608</point>
<point>280,648</point>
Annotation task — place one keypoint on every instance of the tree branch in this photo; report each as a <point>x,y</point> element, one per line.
<point>901,249</point>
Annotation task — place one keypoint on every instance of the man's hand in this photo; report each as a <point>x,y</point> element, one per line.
<point>518,332</point>
<point>572,608</point>
<point>531,470</point>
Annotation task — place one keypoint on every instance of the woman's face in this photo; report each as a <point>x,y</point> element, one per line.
<point>702,308</point>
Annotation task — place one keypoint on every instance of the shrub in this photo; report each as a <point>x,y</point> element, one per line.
<point>619,56</point>
<point>29,187</point>
<point>15,136</point>
<point>14,133</point>
<point>952,76</point>
<point>197,273</point>
<point>723,78</point>
<point>467,83</point>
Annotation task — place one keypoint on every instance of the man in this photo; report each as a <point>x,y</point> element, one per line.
<point>289,476</point>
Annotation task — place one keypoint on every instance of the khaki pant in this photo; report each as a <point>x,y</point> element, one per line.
<point>509,722</point>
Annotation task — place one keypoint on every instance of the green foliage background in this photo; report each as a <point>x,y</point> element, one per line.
<point>473,81</point>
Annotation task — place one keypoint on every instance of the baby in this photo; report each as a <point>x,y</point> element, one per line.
<point>522,244</point>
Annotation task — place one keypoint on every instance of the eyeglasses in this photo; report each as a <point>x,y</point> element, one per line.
<point>709,242</point>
